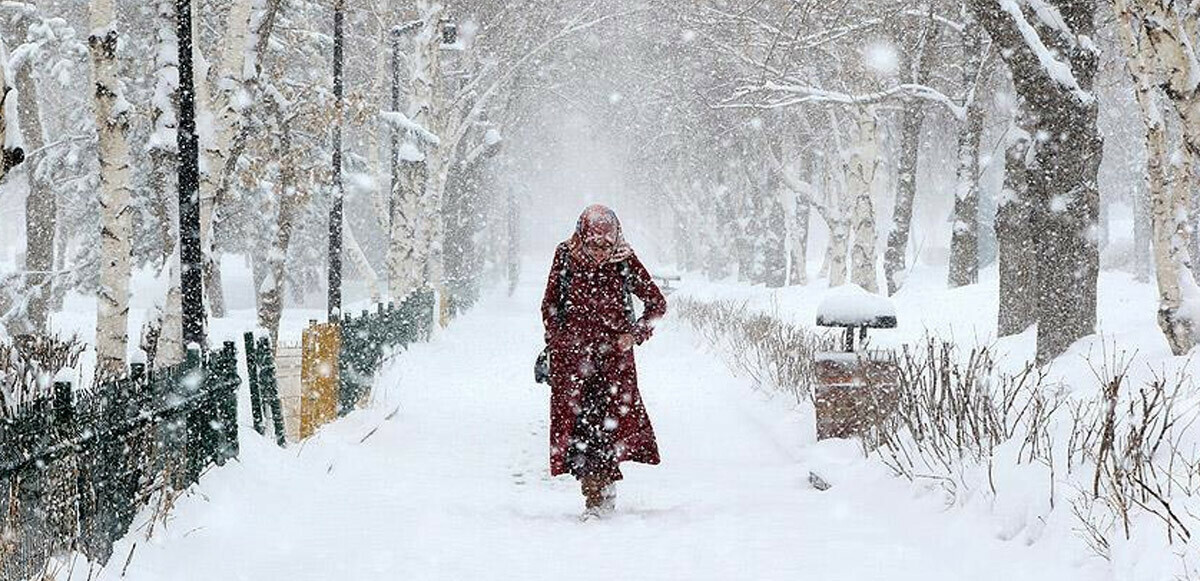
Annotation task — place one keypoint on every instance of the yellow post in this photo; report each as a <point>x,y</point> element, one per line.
<point>319,377</point>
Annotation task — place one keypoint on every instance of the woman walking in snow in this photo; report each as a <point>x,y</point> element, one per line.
<point>597,418</point>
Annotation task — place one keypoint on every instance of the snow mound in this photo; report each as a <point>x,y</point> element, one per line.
<point>850,305</point>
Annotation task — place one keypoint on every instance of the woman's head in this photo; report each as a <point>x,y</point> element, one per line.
<point>598,235</point>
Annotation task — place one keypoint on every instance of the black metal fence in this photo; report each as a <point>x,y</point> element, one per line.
<point>76,467</point>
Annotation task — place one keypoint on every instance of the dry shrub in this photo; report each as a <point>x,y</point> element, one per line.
<point>955,409</point>
<point>771,352</point>
<point>1129,452</point>
<point>1134,444</point>
<point>28,365</point>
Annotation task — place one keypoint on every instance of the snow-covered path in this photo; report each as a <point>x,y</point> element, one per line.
<point>455,486</point>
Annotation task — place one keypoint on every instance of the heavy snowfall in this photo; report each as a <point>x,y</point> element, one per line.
<point>275,276</point>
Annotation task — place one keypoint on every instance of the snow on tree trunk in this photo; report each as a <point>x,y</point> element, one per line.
<point>164,151</point>
<point>894,261</point>
<point>413,212</point>
<point>964,240</point>
<point>248,29</point>
<point>1015,241</point>
<point>1172,268</point>
<point>431,113</point>
<point>112,309</point>
<point>861,177</point>
<point>1142,256</point>
<point>226,73</point>
<point>170,344</point>
<point>270,303</point>
<point>1053,65</point>
<point>405,257</point>
<point>362,265</point>
<point>1146,43</point>
<point>41,206</point>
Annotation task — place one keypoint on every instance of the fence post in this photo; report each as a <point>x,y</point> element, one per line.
<point>197,422</point>
<point>256,401</point>
<point>269,386</point>
<point>225,395</point>
<point>347,366</point>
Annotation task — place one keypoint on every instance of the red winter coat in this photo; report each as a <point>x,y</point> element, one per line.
<point>583,352</point>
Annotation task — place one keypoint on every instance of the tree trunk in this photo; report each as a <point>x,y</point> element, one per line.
<point>248,31</point>
<point>170,345</point>
<point>1168,232</point>
<point>964,240</point>
<point>270,309</point>
<point>1062,179</point>
<point>798,266</point>
<point>41,205</point>
<point>406,236</point>
<point>512,254</point>
<point>226,80</point>
<point>112,310</point>
<point>861,176</point>
<point>894,260</point>
<point>1142,260</point>
<point>1015,242</point>
<point>1172,238</point>
<point>10,157</point>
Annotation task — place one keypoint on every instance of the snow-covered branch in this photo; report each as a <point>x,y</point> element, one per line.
<point>400,121</point>
<point>789,94</point>
<point>1058,70</point>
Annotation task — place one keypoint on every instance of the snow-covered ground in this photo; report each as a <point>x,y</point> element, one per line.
<point>455,486</point>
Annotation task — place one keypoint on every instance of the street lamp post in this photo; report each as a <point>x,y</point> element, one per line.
<point>191,286</point>
<point>335,210</point>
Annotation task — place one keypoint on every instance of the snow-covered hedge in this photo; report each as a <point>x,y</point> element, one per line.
<point>1118,471</point>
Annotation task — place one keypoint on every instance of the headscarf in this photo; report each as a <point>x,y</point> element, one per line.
<point>598,220</point>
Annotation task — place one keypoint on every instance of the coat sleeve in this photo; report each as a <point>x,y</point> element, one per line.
<point>642,285</point>
<point>550,298</point>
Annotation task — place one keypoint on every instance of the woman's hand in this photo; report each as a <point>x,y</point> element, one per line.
<point>625,342</point>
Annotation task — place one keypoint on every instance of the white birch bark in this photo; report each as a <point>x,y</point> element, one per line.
<point>417,204</point>
<point>1171,237</point>
<point>405,263</point>
<point>861,177</point>
<point>164,150</point>
<point>170,340</point>
<point>225,117</point>
<point>1146,43</point>
<point>41,211</point>
<point>115,249</point>
<point>359,259</point>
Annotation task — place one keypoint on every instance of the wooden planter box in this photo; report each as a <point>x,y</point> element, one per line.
<point>855,393</point>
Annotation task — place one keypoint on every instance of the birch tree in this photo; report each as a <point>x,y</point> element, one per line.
<point>1159,49</point>
<point>894,261</point>
<point>41,205</point>
<point>111,123</point>
<point>964,240</point>
<point>861,178</point>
